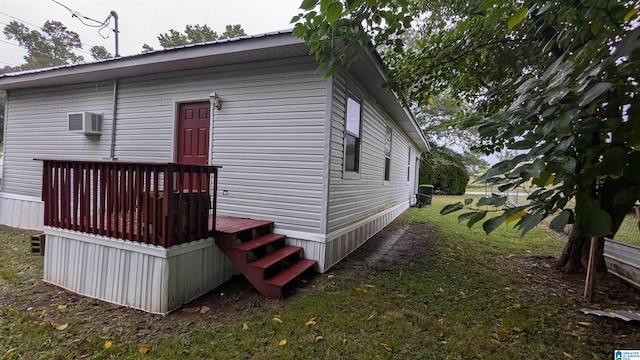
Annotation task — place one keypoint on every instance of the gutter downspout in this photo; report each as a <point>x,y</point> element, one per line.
<point>112,148</point>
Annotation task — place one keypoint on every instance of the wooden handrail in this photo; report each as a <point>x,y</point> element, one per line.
<point>129,200</point>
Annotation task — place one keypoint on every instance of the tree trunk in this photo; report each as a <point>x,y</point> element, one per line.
<point>575,255</point>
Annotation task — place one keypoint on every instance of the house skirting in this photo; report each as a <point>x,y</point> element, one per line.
<point>144,277</point>
<point>341,243</point>
<point>19,211</point>
<point>329,250</point>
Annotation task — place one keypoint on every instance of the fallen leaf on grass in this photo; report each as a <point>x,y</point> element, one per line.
<point>8,352</point>
<point>584,323</point>
<point>441,290</point>
<point>495,342</point>
<point>568,355</point>
<point>245,326</point>
<point>370,286</point>
<point>62,307</point>
<point>276,320</point>
<point>503,331</point>
<point>386,347</point>
<point>517,306</point>
<point>62,326</point>
<point>204,310</point>
<point>547,265</point>
<point>143,349</point>
<point>516,329</point>
<point>311,322</point>
<point>344,342</point>
<point>370,317</point>
<point>84,356</point>
<point>107,344</point>
<point>441,321</point>
<point>319,338</point>
<point>331,276</point>
<point>464,296</point>
<point>282,342</point>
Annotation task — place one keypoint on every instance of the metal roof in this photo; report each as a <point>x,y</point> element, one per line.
<point>245,49</point>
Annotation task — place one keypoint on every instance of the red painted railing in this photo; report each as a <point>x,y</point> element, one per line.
<point>128,200</point>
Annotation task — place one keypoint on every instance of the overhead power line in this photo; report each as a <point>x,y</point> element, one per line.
<point>101,25</point>
<point>39,27</point>
<point>8,63</point>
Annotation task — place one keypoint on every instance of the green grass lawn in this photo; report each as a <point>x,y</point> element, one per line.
<point>454,294</point>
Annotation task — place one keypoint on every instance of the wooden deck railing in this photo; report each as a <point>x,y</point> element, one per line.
<point>128,200</point>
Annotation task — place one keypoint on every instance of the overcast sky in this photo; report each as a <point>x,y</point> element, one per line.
<point>140,21</point>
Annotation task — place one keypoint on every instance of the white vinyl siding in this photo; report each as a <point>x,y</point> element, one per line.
<point>37,128</point>
<point>351,201</point>
<point>268,137</point>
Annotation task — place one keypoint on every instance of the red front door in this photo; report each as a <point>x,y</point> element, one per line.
<point>193,141</point>
<point>193,133</point>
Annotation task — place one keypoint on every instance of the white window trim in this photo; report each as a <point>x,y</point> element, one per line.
<point>348,174</point>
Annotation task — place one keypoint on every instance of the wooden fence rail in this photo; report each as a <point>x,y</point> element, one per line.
<point>128,200</point>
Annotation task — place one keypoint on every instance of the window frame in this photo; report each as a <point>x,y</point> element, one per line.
<point>388,149</point>
<point>409,165</point>
<point>352,174</point>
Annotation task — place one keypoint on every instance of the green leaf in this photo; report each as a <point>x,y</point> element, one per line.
<point>333,12</point>
<point>590,218</point>
<point>308,4</point>
<point>517,18</point>
<point>352,4</point>
<point>560,221</point>
<point>597,90</point>
<point>467,202</point>
<point>493,223</point>
<point>479,216</point>
<point>528,222</point>
<point>541,180</point>
<point>486,5</point>
<point>451,208</point>
<point>522,145</point>
<point>472,217</point>
<point>493,200</point>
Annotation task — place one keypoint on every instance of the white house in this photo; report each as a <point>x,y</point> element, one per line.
<point>327,162</point>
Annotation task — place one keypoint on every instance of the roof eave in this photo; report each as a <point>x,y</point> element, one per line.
<point>389,100</point>
<point>264,46</point>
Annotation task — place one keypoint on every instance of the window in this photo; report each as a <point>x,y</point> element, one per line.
<point>387,154</point>
<point>352,136</point>
<point>409,164</point>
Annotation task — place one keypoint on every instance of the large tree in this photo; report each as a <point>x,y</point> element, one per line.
<point>51,45</point>
<point>194,34</point>
<point>556,80</point>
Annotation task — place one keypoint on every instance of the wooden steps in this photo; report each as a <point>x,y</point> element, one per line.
<point>260,255</point>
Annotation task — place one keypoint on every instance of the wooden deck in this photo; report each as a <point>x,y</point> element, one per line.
<point>230,224</point>
<point>162,204</point>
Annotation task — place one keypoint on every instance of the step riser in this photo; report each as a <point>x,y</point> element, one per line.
<point>257,260</point>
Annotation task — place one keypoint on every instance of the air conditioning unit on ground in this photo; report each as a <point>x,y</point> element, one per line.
<point>85,122</point>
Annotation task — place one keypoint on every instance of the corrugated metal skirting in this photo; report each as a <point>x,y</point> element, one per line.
<point>143,277</point>
<point>623,260</point>
<point>343,245</point>
<point>21,212</point>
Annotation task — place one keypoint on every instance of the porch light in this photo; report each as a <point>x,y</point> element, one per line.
<point>214,99</point>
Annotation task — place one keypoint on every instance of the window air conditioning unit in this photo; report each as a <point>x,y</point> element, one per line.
<point>85,122</point>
